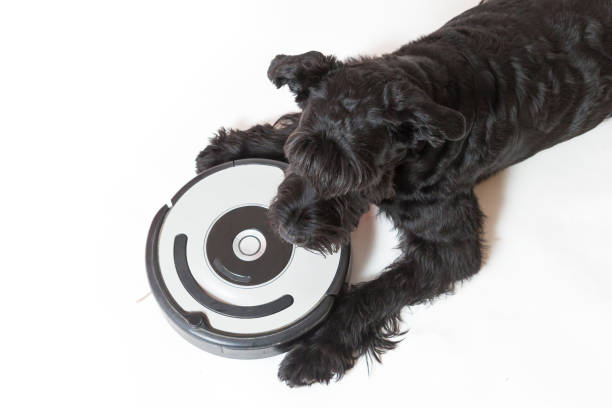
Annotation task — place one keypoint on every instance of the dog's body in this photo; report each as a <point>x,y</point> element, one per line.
<point>413,132</point>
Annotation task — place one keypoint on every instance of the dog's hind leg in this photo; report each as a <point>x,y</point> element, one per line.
<point>260,141</point>
<point>441,245</point>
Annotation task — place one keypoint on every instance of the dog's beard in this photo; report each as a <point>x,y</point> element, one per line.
<point>300,216</point>
<point>331,168</point>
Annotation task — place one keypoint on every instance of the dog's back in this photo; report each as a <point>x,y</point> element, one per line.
<point>539,72</point>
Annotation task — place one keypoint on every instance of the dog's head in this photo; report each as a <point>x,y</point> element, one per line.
<point>358,120</point>
<point>300,216</point>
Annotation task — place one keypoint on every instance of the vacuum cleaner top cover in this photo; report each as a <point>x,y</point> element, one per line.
<point>226,281</point>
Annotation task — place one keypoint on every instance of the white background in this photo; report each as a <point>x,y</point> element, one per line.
<point>103,107</point>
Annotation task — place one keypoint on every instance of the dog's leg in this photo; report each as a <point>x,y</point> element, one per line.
<point>260,141</point>
<point>441,245</point>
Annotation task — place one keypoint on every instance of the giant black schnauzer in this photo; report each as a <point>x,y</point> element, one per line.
<point>413,132</point>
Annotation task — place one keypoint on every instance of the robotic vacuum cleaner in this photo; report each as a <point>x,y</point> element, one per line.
<point>224,280</point>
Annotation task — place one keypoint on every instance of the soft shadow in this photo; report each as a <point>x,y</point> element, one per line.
<point>490,195</point>
<point>362,243</point>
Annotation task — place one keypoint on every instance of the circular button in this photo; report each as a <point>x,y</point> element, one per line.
<point>249,245</point>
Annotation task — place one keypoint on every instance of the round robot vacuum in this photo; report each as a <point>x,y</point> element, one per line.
<point>226,282</point>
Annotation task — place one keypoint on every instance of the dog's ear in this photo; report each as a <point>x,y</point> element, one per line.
<point>428,120</point>
<point>301,72</point>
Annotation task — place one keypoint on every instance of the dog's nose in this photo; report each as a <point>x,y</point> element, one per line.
<point>287,234</point>
<point>288,231</point>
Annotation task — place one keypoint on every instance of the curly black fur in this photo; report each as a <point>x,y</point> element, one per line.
<point>413,131</point>
<point>300,216</point>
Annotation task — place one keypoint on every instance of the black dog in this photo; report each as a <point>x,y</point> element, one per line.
<point>413,131</point>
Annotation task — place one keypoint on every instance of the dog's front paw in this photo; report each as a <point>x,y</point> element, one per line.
<point>211,156</point>
<point>307,364</point>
